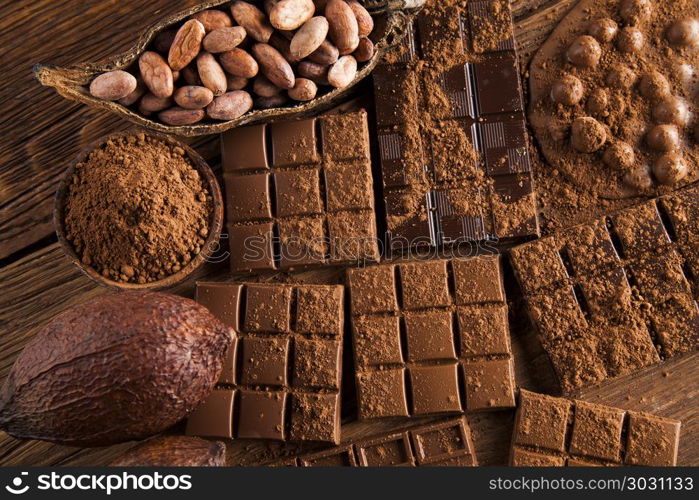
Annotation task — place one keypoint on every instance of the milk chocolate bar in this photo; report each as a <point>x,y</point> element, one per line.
<point>451,130</point>
<point>556,432</point>
<point>300,193</point>
<point>446,443</point>
<point>281,379</point>
<point>430,338</point>
<point>617,294</point>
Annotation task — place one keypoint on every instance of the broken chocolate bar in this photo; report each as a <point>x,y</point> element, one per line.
<point>451,130</point>
<point>445,443</point>
<point>618,294</point>
<point>556,432</point>
<point>281,379</point>
<point>299,193</point>
<point>431,337</point>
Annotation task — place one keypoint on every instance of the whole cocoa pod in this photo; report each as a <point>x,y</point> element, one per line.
<point>118,367</point>
<point>174,451</point>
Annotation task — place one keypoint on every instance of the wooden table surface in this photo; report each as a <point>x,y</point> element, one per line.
<point>42,133</point>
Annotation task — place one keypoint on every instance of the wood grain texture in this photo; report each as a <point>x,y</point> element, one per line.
<point>34,288</point>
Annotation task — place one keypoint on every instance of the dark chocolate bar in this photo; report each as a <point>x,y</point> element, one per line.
<point>451,130</point>
<point>445,443</point>
<point>281,379</point>
<point>300,193</point>
<point>431,337</point>
<point>556,432</point>
<point>618,294</point>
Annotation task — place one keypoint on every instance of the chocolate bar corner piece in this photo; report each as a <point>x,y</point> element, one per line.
<point>300,193</point>
<point>452,136</point>
<point>552,431</point>
<point>622,284</point>
<point>445,443</point>
<point>423,346</point>
<point>282,375</point>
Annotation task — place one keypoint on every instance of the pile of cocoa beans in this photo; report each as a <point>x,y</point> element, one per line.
<point>221,64</point>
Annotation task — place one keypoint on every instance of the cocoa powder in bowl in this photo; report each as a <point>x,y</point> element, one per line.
<point>136,210</point>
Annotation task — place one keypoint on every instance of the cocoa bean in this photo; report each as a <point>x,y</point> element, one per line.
<point>156,74</point>
<point>223,39</point>
<point>253,20</point>
<point>344,29</point>
<point>273,65</point>
<point>342,72</point>
<point>290,14</point>
<point>230,105</point>
<point>365,22</point>
<point>186,45</point>
<point>327,53</point>
<point>365,50</point>
<point>314,71</point>
<point>237,62</point>
<point>179,116</point>
<point>211,73</point>
<point>236,82</point>
<point>192,97</point>
<point>309,37</point>
<point>213,19</point>
<point>264,88</point>
<point>304,90</point>
<point>113,85</point>
<point>151,103</point>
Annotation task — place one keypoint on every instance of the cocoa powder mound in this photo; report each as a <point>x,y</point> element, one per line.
<point>137,210</point>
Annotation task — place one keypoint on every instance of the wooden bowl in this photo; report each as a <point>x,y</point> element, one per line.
<point>215,223</point>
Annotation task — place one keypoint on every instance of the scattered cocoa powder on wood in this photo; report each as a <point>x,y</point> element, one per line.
<point>136,209</point>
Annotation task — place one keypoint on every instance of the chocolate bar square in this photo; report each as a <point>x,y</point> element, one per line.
<point>319,311</point>
<point>301,242</point>
<point>268,308</point>
<point>640,230</point>
<point>348,188</point>
<point>248,197</point>
<point>377,340</point>
<point>337,457</point>
<point>524,458</point>
<point>387,451</point>
<point>435,389</point>
<point>315,417</point>
<point>373,290</point>
<point>297,193</point>
<point>597,431</point>
<point>424,285</point>
<point>294,143</point>
<point>429,336</point>
<point>254,244</point>
<point>245,150</point>
<point>484,331</point>
<point>489,383</point>
<point>541,421</point>
<point>262,415</point>
<point>497,85</point>
<point>213,417</point>
<point>382,394</point>
<point>317,364</point>
<point>444,441</point>
<point>345,137</point>
<point>652,440</point>
<point>264,361</point>
<point>478,280</point>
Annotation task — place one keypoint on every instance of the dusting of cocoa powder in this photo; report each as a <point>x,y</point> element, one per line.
<point>136,209</point>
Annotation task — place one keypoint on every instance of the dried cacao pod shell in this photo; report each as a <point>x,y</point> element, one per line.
<point>116,368</point>
<point>391,17</point>
<point>174,451</point>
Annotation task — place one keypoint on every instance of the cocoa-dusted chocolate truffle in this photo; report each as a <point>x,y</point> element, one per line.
<point>619,156</point>
<point>621,77</point>
<point>598,102</point>
<point>635,11</point>
<point>683,32</point>
<point>567,90</point>
<point>663,138</point>
<point>671,110</point>
<point>588,135</point>
<point>670,169</point>
<point>584,52</point>
<point>603,29</point>
<point>639,178</point>
<point>630,40</point>
<point>654,86</point>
